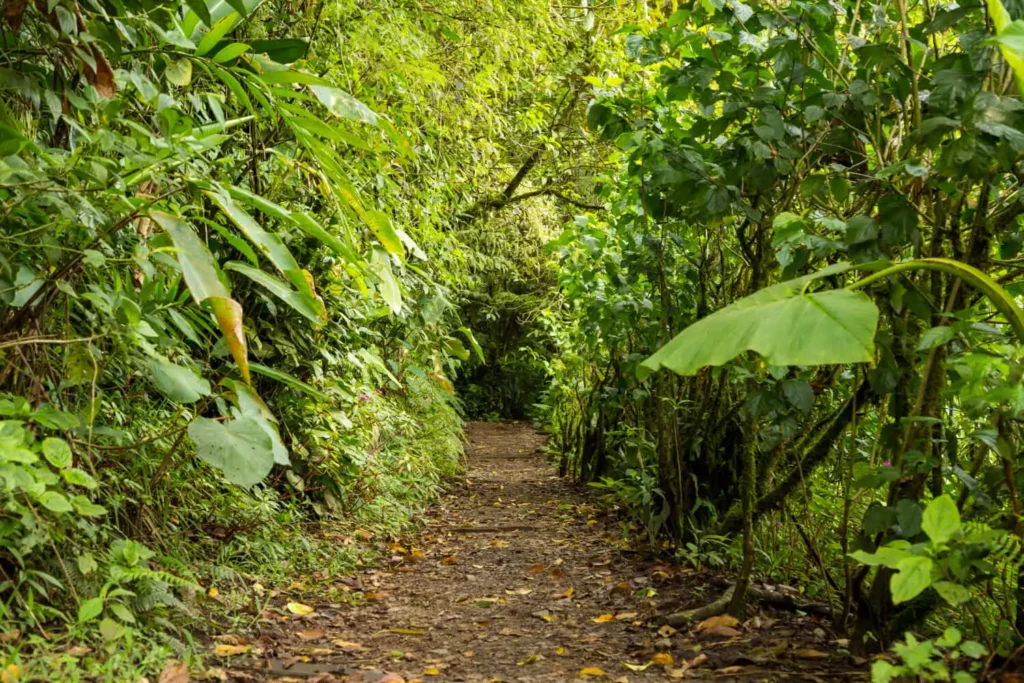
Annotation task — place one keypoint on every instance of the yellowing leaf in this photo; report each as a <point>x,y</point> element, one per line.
<point>225,650</point>
<point>431,671</point>
<point>637,667</point>
<point>721,620</point>
<point>591,671</point>
<point>299,609</point>
<point>560,651</point>
<point>10,674</point>
<point>603,619</point>
<point>566,594</point>
<point>625,616</point>
<point>662,659</point>
<point>213,592</point>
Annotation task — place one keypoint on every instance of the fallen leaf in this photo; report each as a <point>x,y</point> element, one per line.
<point>559,650</point>
<point>431,671</point>
<point>662,659</point>
<point>808,653</point>
<point>667,631</point>
<point>348,645</point>
<point>592,671</point>
<point>625,616</point>
<point>735,669</point>
<point>299,609</point>
<point>537,569</point>
<point>312,634</point>
<point>449,561</point>
<point>174,672</point>
<point>230,639</point>
<point>519,591</point>
<point>392,678</point>
<point>213,592</point>
<point>566,594</point>
<point>225,650</point>
<point>722,632</point>
<point>603,619</point>
<point>498,543</point>
<point>637,667</point>
<point>12,674</point>
<point>720,620</point>
<point>529,660</point>
<point>405,631</point>
<point>376,596</point>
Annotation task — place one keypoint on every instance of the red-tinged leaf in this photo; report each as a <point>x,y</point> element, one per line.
<point>228,313</point>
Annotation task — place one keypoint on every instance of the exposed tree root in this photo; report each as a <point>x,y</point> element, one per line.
<point>768,597</point>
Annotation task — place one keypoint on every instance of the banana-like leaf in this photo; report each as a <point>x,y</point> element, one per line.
<point>203,281</point>
<point>784,324</point>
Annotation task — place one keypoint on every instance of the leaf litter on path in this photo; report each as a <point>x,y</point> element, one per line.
<point>556,595</point>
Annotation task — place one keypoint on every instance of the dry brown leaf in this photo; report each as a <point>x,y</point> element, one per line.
<point>603,619</point>
<point>13,10</point>
<point>625,616</point>
<point>174,672</point>
<point>808,653</point>
<point>449,561</point>
<point>566,594</point>
<point>348,645</point>
<point>721,632</point>
<point>720,620</point>
<point>376,596</point>
<point>667,631</point>
<point>312,634</point>
<point>537,569</point>
<point>592,671</point>
<point>230,639</point>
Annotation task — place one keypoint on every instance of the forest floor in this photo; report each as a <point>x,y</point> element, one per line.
<point>517,575</point>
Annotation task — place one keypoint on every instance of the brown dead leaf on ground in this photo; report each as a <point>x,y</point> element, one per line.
<point>537,569</point>
<point>224,650</point>
<point>174,672</point>
<point>720,620</point>
<point>348,645</point>
<point>603,619</point>
<point>311,634</point>
<point>809,653</point>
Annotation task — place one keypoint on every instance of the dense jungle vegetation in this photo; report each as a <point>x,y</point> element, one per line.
<point>755,267</point>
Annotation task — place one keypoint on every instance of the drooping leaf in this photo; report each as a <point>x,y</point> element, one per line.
<point>228,313</point>
<point>784,324</point>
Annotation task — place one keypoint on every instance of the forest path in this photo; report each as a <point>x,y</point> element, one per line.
<point>519,576</point>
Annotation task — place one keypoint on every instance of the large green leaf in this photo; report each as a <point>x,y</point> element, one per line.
<point>240,448</point>
<point>176,382</point>
<point>282,50</point>
<point>941,519</point>
<point>785,324</point>
<point>914,575</point>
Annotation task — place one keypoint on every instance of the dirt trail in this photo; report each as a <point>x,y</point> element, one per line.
<point>518,576</point>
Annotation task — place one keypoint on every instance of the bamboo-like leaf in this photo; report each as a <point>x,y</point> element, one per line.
<point>289,380</point>
<point>269,244</point>
<point>217,32</point>
<point>300,302</point>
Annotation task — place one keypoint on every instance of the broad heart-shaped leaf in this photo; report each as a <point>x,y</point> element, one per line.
<point>953,593</point>
<point>200,273</point>
<point>240,448</point>
<point>941,519</point>
<point>176,382</point>
<point>782,323</point>
<point>914,575</point>
<point>251,405</point>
